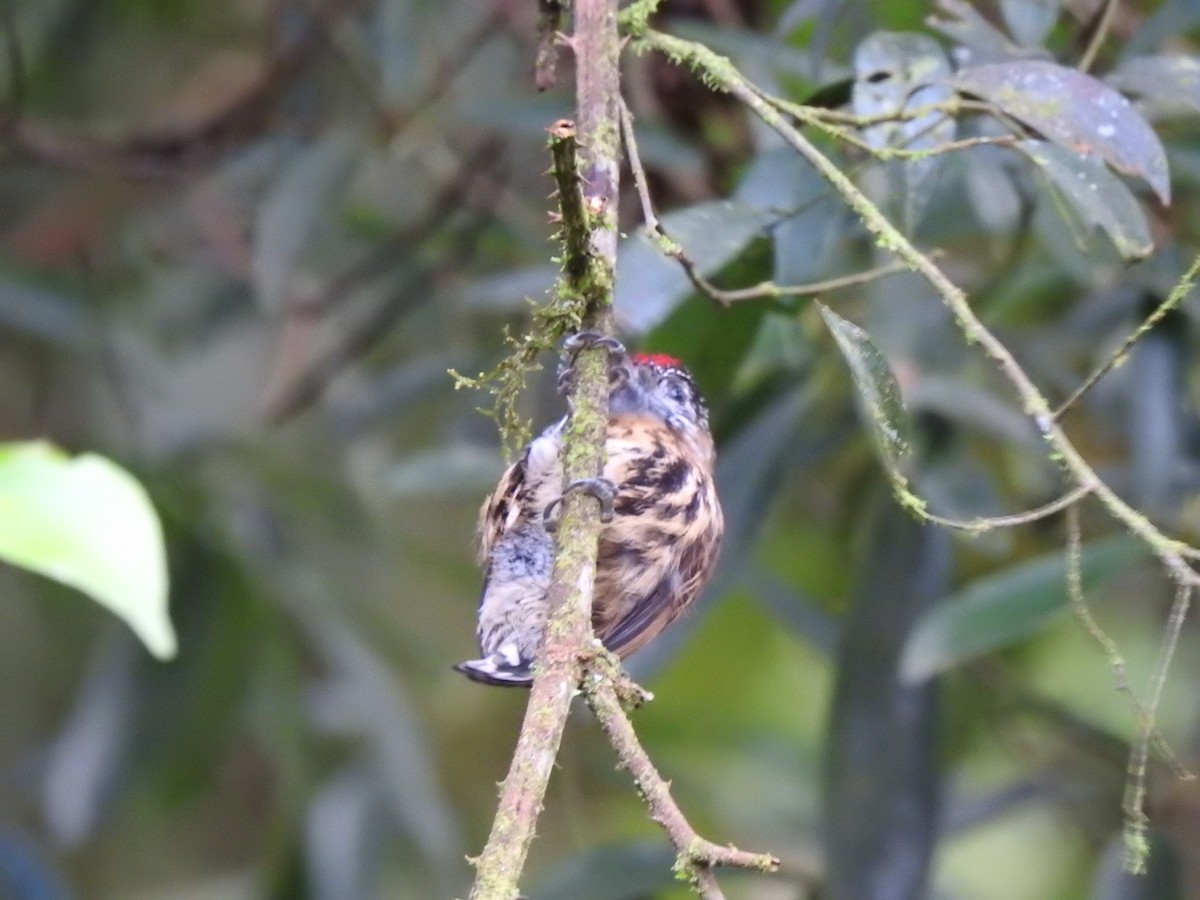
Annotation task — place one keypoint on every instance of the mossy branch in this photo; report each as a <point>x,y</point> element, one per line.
<point>695,857</point>
<point>586,177</point>
<point>586,284</point>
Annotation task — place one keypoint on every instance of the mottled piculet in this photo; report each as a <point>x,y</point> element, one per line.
<point>658,549</point>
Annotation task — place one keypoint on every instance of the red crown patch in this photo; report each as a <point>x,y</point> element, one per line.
<point>665,360</point>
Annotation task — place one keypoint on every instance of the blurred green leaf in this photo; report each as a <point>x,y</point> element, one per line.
<point>877,390</point>
<point>90,754</point>
<point>397,23</point>
<point>89,524</point>
<point>650,284</point>
<point>998,610</point>
<point>896,72</point>
<point>458,467</point>
<point>363,697</point>
<point>344,829</point>
<point>1170,82</point>
<point>985,42</point>
<point>746,47</point>
<point>882,783</point>
<point>25,871</point>
<point>610,873</point>
<point>813,219</point>
<point>1095,194</point>
<point>1030,20</point>
<point>290,216</point>
<point>43,313</point>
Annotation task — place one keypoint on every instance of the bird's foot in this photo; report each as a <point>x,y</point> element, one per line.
<point>582,340</point>
<point>600,488</point>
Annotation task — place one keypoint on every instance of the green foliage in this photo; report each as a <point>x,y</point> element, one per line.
<point>87,523</point>
<point>212,211</point>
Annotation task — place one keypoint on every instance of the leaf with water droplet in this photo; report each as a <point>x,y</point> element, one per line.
<point>1074,111</point>
<point>1096,195</point>
<point>1170,83</point>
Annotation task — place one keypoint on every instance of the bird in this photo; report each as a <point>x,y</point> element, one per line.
<point>662,519</point>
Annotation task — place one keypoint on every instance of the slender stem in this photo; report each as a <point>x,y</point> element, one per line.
<point>982,524</point>
<point>568,631</point>
<point>1107,646</point>
<point>764,290</point>
<point>1099,36</point>
<point>696,857</point>
<point>1136,822</point>
<point>1178,293</point>
<point>820,120</point>
<point>587,187</point>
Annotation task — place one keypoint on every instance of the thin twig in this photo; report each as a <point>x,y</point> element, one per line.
<point>1178,293</point>
<point>764,290</point>
<point>768,289</point>
<point>1136,844</point>
<point>1107,646</point>
<point>1099,36</point>
<point>820,120</point>
<point>982,524</point>
<point>696,857</point>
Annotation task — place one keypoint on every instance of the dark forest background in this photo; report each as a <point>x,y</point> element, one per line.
<point>241,244</point>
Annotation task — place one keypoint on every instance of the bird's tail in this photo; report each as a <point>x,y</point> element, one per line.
<point>498,671</point>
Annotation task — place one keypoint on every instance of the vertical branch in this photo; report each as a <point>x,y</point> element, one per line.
<point>551,14</point>
<point>597,45</point>
<point>587,278</point>
<point>587,179</point>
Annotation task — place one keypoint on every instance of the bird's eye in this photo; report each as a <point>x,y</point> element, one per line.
<point>676,391</point>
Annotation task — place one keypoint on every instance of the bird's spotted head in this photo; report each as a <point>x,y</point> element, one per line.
<point>660,385</point>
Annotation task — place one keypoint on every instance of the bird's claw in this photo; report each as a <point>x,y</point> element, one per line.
<point>576,344</point>
<point>600,488</point>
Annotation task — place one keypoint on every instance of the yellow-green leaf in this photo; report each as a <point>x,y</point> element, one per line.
<point>89,524</point>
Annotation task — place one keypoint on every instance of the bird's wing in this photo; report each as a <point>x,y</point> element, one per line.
<point>501,510</point>
<point>659,550</point>
<point>524,489</point>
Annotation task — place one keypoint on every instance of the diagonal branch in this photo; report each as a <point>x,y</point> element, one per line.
<point>696,857</point>
<point>1178,294</point>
